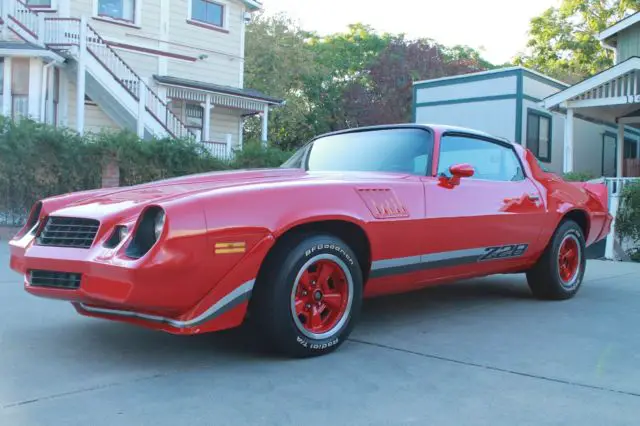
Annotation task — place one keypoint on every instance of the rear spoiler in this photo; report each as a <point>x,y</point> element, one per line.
<point>596,188</point>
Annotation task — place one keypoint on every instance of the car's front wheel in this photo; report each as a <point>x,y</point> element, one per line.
<point>559,272</point>
<point>308,295</point>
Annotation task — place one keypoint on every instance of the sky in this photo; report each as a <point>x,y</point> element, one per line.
<point>496,27</point>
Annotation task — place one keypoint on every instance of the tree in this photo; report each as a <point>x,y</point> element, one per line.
<point>388,96</point>
<point>342,80</point>
<point>344,59</point>
<point>278,62</point>
<point>563,40</point>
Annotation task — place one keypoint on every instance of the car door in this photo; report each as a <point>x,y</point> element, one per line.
<point>486,223</point>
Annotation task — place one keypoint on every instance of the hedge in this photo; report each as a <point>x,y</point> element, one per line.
<point>39,160</point>
<point>628,219</point>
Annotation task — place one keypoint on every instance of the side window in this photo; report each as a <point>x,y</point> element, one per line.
<point>491,161</point>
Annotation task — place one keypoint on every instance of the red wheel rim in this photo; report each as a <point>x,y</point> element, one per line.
<point>321,297</point>
<point>569,259</point>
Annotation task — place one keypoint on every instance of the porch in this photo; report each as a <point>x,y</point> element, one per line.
<point>610,97</point>
<point>213,113</point>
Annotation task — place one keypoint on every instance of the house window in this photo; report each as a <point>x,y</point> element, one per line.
<point>630,149</point>
<point>539,135</point>
<point>194,119</point>
<point>20,87</point>
<point>208,12</point>
<point>39,3</point>
<point>117,9</point>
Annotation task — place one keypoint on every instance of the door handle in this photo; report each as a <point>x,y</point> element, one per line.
<point>533,197</point>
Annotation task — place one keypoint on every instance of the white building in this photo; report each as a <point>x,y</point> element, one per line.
<point>157,67</point>
<point>508,102</point>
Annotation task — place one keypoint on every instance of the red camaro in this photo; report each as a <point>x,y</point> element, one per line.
<point>352,214</point>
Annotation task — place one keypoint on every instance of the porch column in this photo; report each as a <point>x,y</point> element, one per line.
<point>265,124</point>
<point>6,87</point>
<point>568,142</point>
<point>35,88</point>
<point>63,101</point>
<point>620,150</point>
<point>206,122</point>
<point>80,80</point>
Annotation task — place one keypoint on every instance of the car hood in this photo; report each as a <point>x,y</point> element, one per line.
<point>105,202</point>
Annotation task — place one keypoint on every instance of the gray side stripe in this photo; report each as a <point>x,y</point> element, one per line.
<point>223,305</point>
<point>403,265</point>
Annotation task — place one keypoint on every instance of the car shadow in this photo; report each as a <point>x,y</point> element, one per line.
<point>132,345</point>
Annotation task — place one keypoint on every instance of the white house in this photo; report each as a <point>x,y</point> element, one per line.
<point>158,67</point>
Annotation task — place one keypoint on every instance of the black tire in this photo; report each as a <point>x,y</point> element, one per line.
<point>279,291</point>
<point>547,279</point>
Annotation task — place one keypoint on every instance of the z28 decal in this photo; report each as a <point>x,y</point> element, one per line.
<point>503,252</point>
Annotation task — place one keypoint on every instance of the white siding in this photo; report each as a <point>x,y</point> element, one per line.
<point>496,86</point>
<point>225,121</point>
<point>587,146</point>
<point>95,119</point>
<point>219,53</point>
<point>494,117</point>
<point>538,89</point>
<point>222,64</point>
<point>145,65</point>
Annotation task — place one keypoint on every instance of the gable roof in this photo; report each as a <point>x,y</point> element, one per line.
<point>217,88</point>
<point>631,64</point>
<point>619,26</point>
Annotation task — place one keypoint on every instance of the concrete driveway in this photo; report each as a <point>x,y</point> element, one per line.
<point>481,352</point>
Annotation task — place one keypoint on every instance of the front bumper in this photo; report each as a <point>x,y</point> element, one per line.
<point>167,290</point>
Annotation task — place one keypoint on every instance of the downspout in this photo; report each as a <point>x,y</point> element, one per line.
<point>43,98</point>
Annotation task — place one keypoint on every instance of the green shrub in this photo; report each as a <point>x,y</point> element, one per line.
<point>39,160</point>
<point>254,155</point>
<point>628,218</point>
<point>143,161</point>
<point>578,176</point>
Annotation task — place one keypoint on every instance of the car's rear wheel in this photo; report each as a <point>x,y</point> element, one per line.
<point>308,295</point>
<point>559,272</point>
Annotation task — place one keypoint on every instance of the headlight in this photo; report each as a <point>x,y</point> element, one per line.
<point>148,231</point>
<point>159,224</point>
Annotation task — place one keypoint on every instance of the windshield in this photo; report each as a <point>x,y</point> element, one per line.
<point>399,150</point>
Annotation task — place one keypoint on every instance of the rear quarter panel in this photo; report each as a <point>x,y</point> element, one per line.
<point>562,197</point>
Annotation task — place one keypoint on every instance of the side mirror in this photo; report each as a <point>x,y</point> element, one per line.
<point>461,170</point>
<point>458,171</point>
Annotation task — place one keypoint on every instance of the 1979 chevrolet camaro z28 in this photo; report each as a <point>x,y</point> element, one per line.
<point>352,214</point>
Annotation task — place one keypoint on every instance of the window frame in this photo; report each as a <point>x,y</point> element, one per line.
<point>204,24</point>
<point>51,7</point>
<point>540,115</point>
<point>135,23</point>
<point>482,138</point>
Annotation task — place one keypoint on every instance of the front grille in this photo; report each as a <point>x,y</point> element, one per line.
<point>53,279</point>
<point>68,232</point>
